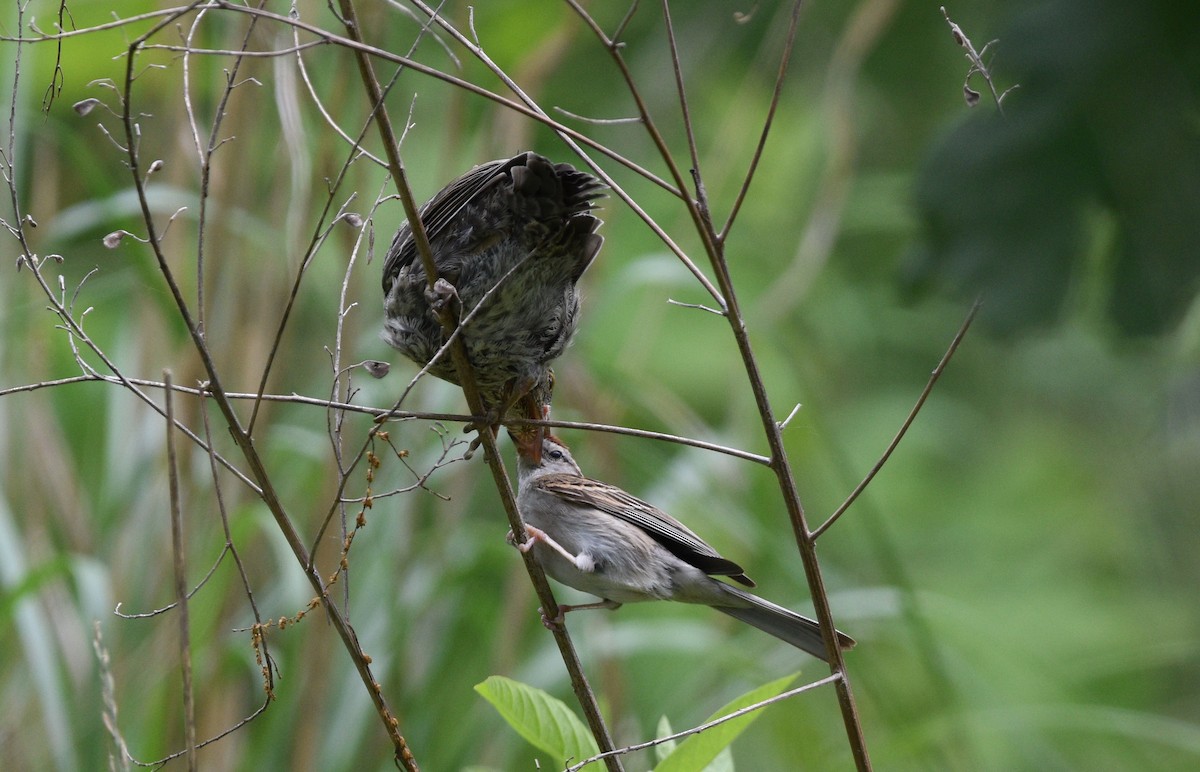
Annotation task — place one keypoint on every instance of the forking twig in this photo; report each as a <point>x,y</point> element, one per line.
<point>977,66</point>
<point>715,248</point>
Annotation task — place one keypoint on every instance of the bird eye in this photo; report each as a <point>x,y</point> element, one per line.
<point>557,455</point>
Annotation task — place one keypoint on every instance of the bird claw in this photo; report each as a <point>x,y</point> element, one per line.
<point>441,295</point>
<point>524,546</point>
<point>555,622</point>
<point>535,535</point>
<point>475,441</point>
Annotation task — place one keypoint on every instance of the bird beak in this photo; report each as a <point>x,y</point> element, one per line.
<point>528,440</point>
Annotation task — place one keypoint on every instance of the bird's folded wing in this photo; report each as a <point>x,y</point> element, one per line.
<point>676,537</point>
<point>441,211</point>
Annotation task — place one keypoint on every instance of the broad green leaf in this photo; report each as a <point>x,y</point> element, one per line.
<point>545,721</point>
<point>699,750</point>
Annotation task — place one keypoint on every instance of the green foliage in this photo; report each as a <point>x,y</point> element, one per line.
<point>1020,577</point>
<point>548,724</point>
<point>700,751</point>
<point>545,721</point>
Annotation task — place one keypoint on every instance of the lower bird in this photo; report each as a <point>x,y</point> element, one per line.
<point>597,538</point>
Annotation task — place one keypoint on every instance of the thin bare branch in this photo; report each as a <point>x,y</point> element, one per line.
<point>244,441</point>
<point>858,40</point>
<point>684,112</point>
<point>784,60</point>
<point>206,153</point>
<point>784,423</point>
<point>771,428</point>
<point>912,415</point>
<point>598,121</point>
<point>703,226</point>
<point>190,593</point>
<point>699,306</point>
<point>203,744</point>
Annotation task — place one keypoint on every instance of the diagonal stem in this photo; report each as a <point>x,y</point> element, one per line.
<point>767,123</point>
<point>912,415</point>
<point>579,683</point>
<point>805,542</point>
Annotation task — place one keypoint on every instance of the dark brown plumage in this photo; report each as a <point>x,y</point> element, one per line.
<point>510,239</point>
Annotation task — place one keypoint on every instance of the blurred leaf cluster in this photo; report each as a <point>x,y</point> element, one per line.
<point>1021,577</point>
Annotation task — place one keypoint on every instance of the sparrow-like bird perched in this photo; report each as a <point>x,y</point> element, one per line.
<point>510,239</point>
<point>597,538</point>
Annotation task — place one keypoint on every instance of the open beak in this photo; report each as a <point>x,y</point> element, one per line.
<point>532,442</point>
<point>528,439</point>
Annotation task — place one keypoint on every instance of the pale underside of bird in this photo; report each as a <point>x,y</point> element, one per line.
<point>597,538</point>
<point>510,240</point>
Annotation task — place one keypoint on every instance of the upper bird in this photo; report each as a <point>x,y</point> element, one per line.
<point>597,538</point>
<point>510,239</point>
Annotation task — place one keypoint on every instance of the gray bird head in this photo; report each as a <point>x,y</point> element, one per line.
<point>550,456</point>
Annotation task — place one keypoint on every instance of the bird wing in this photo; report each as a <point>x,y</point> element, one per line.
<point>441,210</point>
<point>673,535</point>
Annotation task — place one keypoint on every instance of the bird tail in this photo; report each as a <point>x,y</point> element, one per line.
<point>784,624</point>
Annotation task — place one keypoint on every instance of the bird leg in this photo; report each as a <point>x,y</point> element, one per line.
<point>476,441</point>
<point>556,621</point>
<point>443,296</point>
<point>582,561</point>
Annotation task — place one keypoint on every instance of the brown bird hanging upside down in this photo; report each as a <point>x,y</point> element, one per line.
<point>510,240</point>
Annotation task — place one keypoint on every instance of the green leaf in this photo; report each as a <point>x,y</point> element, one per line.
<point>545,721</point>
<point>699,750</point>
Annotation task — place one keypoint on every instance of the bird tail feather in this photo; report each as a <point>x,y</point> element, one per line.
<point>784,624</point>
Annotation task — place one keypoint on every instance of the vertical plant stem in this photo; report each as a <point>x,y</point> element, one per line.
<point>181,590</point>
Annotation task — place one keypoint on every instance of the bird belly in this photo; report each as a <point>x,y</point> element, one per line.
<point>620,564</point>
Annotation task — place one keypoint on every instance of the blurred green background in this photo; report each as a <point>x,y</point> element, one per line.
<point>1022,576</point>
